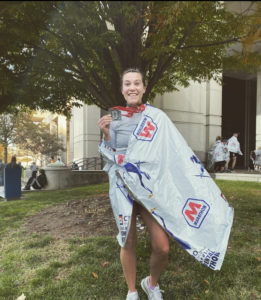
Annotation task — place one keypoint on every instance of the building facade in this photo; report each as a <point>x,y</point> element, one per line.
<point>196,112</point>
<point>200,112</point>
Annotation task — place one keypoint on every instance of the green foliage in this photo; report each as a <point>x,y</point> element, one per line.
<point>19,128</point>
<point>53,52</point>
<point>8,125</point>
<point>36,137</point>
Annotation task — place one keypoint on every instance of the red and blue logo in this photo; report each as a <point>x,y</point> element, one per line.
<point>195,211</point>
<point>124,219</point>
<point>147,130</point>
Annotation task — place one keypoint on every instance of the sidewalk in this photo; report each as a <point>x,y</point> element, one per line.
<point>2,191</point>
<point>238,175</point>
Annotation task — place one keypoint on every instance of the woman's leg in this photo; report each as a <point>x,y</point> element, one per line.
<point>159,243</point>
<point>234,162</point>
<point>128,253</point>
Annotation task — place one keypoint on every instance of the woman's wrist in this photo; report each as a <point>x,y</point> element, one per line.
<point>106,137</point>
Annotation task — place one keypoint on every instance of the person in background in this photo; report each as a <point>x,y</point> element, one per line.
<point>252,159</point>
<point>36,182</point>
<point>34,169</point>
<point>233,146</point>
<point>257,161</point>
<point>75,166</point>
<point>13,163</point>
<point>40,181</point>
<point>211,153</point>
<point>219,156</point>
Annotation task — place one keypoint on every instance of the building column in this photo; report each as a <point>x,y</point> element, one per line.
<point>258,112</point>
<point>85,133</point>
<point>213,112</point>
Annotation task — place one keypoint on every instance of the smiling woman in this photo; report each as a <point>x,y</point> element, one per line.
<point>133,87</point>
<point>117,135</point>
<point>143,151</point>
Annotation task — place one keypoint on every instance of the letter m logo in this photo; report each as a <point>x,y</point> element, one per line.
<point>191,213</point>
<point>195,211</point>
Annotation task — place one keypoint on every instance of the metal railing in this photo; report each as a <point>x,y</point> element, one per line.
<point>89,163</point>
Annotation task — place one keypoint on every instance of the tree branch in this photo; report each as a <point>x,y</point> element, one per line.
<point>211,44</point>
<point>162,66</point>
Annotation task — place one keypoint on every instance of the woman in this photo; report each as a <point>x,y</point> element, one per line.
<point>133,88</point>
<point>154,172</point>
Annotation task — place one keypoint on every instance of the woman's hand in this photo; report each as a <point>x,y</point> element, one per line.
<point>104,124</point>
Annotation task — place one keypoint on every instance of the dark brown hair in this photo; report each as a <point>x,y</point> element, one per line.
<point>133,70</point>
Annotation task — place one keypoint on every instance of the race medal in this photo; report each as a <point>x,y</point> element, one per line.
<point>115,114</point>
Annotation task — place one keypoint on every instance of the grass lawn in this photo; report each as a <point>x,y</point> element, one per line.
<point>47,268</point>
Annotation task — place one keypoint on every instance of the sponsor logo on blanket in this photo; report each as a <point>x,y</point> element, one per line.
<point>207,257</point>
<point>124,219</point>
<point>147,130</point>
<point>195,211</point>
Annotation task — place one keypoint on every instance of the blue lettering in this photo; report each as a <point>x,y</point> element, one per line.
<point>141,126</point>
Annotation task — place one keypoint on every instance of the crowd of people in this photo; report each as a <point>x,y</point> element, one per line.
<point>224,153</point>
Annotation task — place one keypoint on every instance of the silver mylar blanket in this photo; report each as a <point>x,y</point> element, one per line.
<point>161,172</point>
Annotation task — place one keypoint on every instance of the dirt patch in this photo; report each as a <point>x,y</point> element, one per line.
<point>92,216</point>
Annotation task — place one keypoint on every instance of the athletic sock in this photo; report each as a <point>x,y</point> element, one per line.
<point>132,293</point>
<point>151,287</point>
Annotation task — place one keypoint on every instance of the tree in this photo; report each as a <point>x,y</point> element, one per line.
<point>7,132</point>
<point>35,138</point>
<point>56,51</point>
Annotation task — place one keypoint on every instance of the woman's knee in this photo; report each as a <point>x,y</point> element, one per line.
<point>161,249</point>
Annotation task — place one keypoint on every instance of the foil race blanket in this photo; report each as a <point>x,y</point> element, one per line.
<point>162,173</point>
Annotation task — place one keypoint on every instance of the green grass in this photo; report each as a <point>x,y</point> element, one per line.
<point>46,268</point>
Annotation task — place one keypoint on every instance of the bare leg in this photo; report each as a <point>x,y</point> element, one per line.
<point>234,162</point>
<point>128,254</point>
<point>227,163</point>
<point>160,246</point>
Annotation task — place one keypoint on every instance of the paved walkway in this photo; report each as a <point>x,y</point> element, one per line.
<point>2,191</point>
<point>238,176</point>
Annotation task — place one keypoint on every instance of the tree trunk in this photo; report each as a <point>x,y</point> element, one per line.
<point>5,154</point>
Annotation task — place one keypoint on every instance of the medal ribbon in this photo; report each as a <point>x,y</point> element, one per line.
<point>130,110</point>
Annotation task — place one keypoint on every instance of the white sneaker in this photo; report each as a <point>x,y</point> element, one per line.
<point>133,296</point>
<point>152,294</point>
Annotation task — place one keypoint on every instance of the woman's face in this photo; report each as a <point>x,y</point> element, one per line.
<point>133,88</point>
